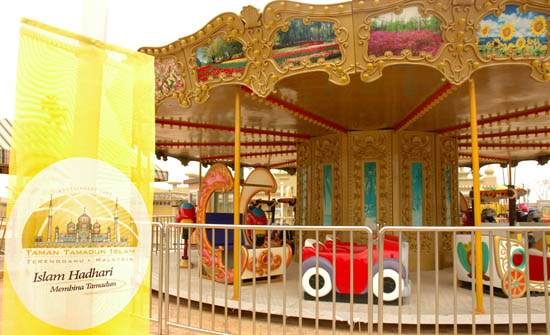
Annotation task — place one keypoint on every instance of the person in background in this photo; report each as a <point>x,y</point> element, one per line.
<point>186,214</point>
<point>522,213</point>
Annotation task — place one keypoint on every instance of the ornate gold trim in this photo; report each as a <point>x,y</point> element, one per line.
<point>417,147</point>
<point>502,255</point>
<point>457,58</point>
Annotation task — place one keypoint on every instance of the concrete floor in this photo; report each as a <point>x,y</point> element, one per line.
<point>269,300</point>
<point>260,326</point>
<point>219,322</point>
<point>262,323</point>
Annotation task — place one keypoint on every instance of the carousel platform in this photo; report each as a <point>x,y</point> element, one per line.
<point>360,313</point>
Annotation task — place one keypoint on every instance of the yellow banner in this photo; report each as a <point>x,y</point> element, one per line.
<point>82,162</point>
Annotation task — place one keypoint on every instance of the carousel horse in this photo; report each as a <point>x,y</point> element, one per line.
<point>186,214</point>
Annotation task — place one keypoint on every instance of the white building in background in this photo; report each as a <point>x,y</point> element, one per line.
<point>165,202</point>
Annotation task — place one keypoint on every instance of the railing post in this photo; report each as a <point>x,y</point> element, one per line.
<point>167,278</point>
<point>160,250</point>
<point>380,300</point>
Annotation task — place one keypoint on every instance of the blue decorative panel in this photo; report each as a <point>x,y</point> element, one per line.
<point>448,195</point>
<point>417,194</point>
<point>370,193</point>
<point>327,195</point>
<point>304,196</point>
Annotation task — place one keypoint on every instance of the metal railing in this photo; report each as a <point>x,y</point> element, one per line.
<point>492,259</point>
<point>229,303</point>
<point>157,251</point>
<point>165,219</point>
<point>426,300</point>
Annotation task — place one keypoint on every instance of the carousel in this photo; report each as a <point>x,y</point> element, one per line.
<point>374,105</point>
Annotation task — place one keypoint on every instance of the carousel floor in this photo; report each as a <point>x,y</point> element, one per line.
<point>203,288</point>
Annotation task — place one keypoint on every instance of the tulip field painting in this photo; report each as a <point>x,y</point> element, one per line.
<point>514,33</point>
<point>305,43</point>
<point>220,59</point>
<point>405,31</point>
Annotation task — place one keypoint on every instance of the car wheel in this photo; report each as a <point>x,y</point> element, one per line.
<point>391,281</point>
<point>308,282</point>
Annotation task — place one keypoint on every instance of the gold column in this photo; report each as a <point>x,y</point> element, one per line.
<point>236,197</point>
<point>477,200</point>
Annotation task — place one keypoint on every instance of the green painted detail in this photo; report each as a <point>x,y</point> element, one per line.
<point>463,256</point>
<point>448,220</point>
<point>485,256</point>
<point>304,196</point>
<point>370,194</point>
<point>327,195</point>
<point>523,257</point>
<point>464,252</point>
<point>417,194</point>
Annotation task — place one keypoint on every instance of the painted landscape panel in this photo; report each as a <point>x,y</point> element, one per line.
<point>514,33</point>
<point>167,78</point>
<point>408,30</point>
<point>417,194</point>
<point>302,43</point>
<point>327,195</point>
<point>370,194</point>
<point>220,58</point>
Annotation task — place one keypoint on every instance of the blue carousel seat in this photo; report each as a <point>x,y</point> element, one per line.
<point>223,218</point>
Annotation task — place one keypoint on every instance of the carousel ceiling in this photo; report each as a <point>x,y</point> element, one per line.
<point>303,71</point>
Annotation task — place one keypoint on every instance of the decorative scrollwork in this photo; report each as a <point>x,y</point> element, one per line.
<point>251,17</point>
<point>262,263</point>
<point>327,151</point>
<point>502,253</point>
<point>455,48</point>
<point>303,159</point>
<point>364,147</point>
<point>417,147</point>
<point>218,178</point>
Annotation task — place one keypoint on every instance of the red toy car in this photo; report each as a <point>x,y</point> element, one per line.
<point>360,268</point>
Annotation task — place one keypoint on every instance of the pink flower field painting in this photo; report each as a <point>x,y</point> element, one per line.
<point>406,31</point>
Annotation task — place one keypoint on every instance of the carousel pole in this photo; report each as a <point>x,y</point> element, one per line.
<point>236,197</point>
<point>511,202</point>
<point>477,200</point>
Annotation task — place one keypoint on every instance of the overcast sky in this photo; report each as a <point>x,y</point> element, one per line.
<point>130,24</point>
<point>133,24</point>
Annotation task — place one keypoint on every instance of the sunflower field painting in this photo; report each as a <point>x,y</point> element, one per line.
<point>514,33</point>
<point>220,59</point>
<point>305,43</point>
<point>406,31</point>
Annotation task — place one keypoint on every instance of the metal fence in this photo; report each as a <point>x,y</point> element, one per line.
<point>432,301</point>
<point>157,252</point>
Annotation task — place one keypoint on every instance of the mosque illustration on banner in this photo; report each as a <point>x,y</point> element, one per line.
<point>81,234</point>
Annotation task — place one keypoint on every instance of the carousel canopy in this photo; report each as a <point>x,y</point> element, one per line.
<point>305,71</point>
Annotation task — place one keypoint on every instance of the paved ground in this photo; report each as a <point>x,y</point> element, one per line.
<point>268,297</point>
<point>262,327</point>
